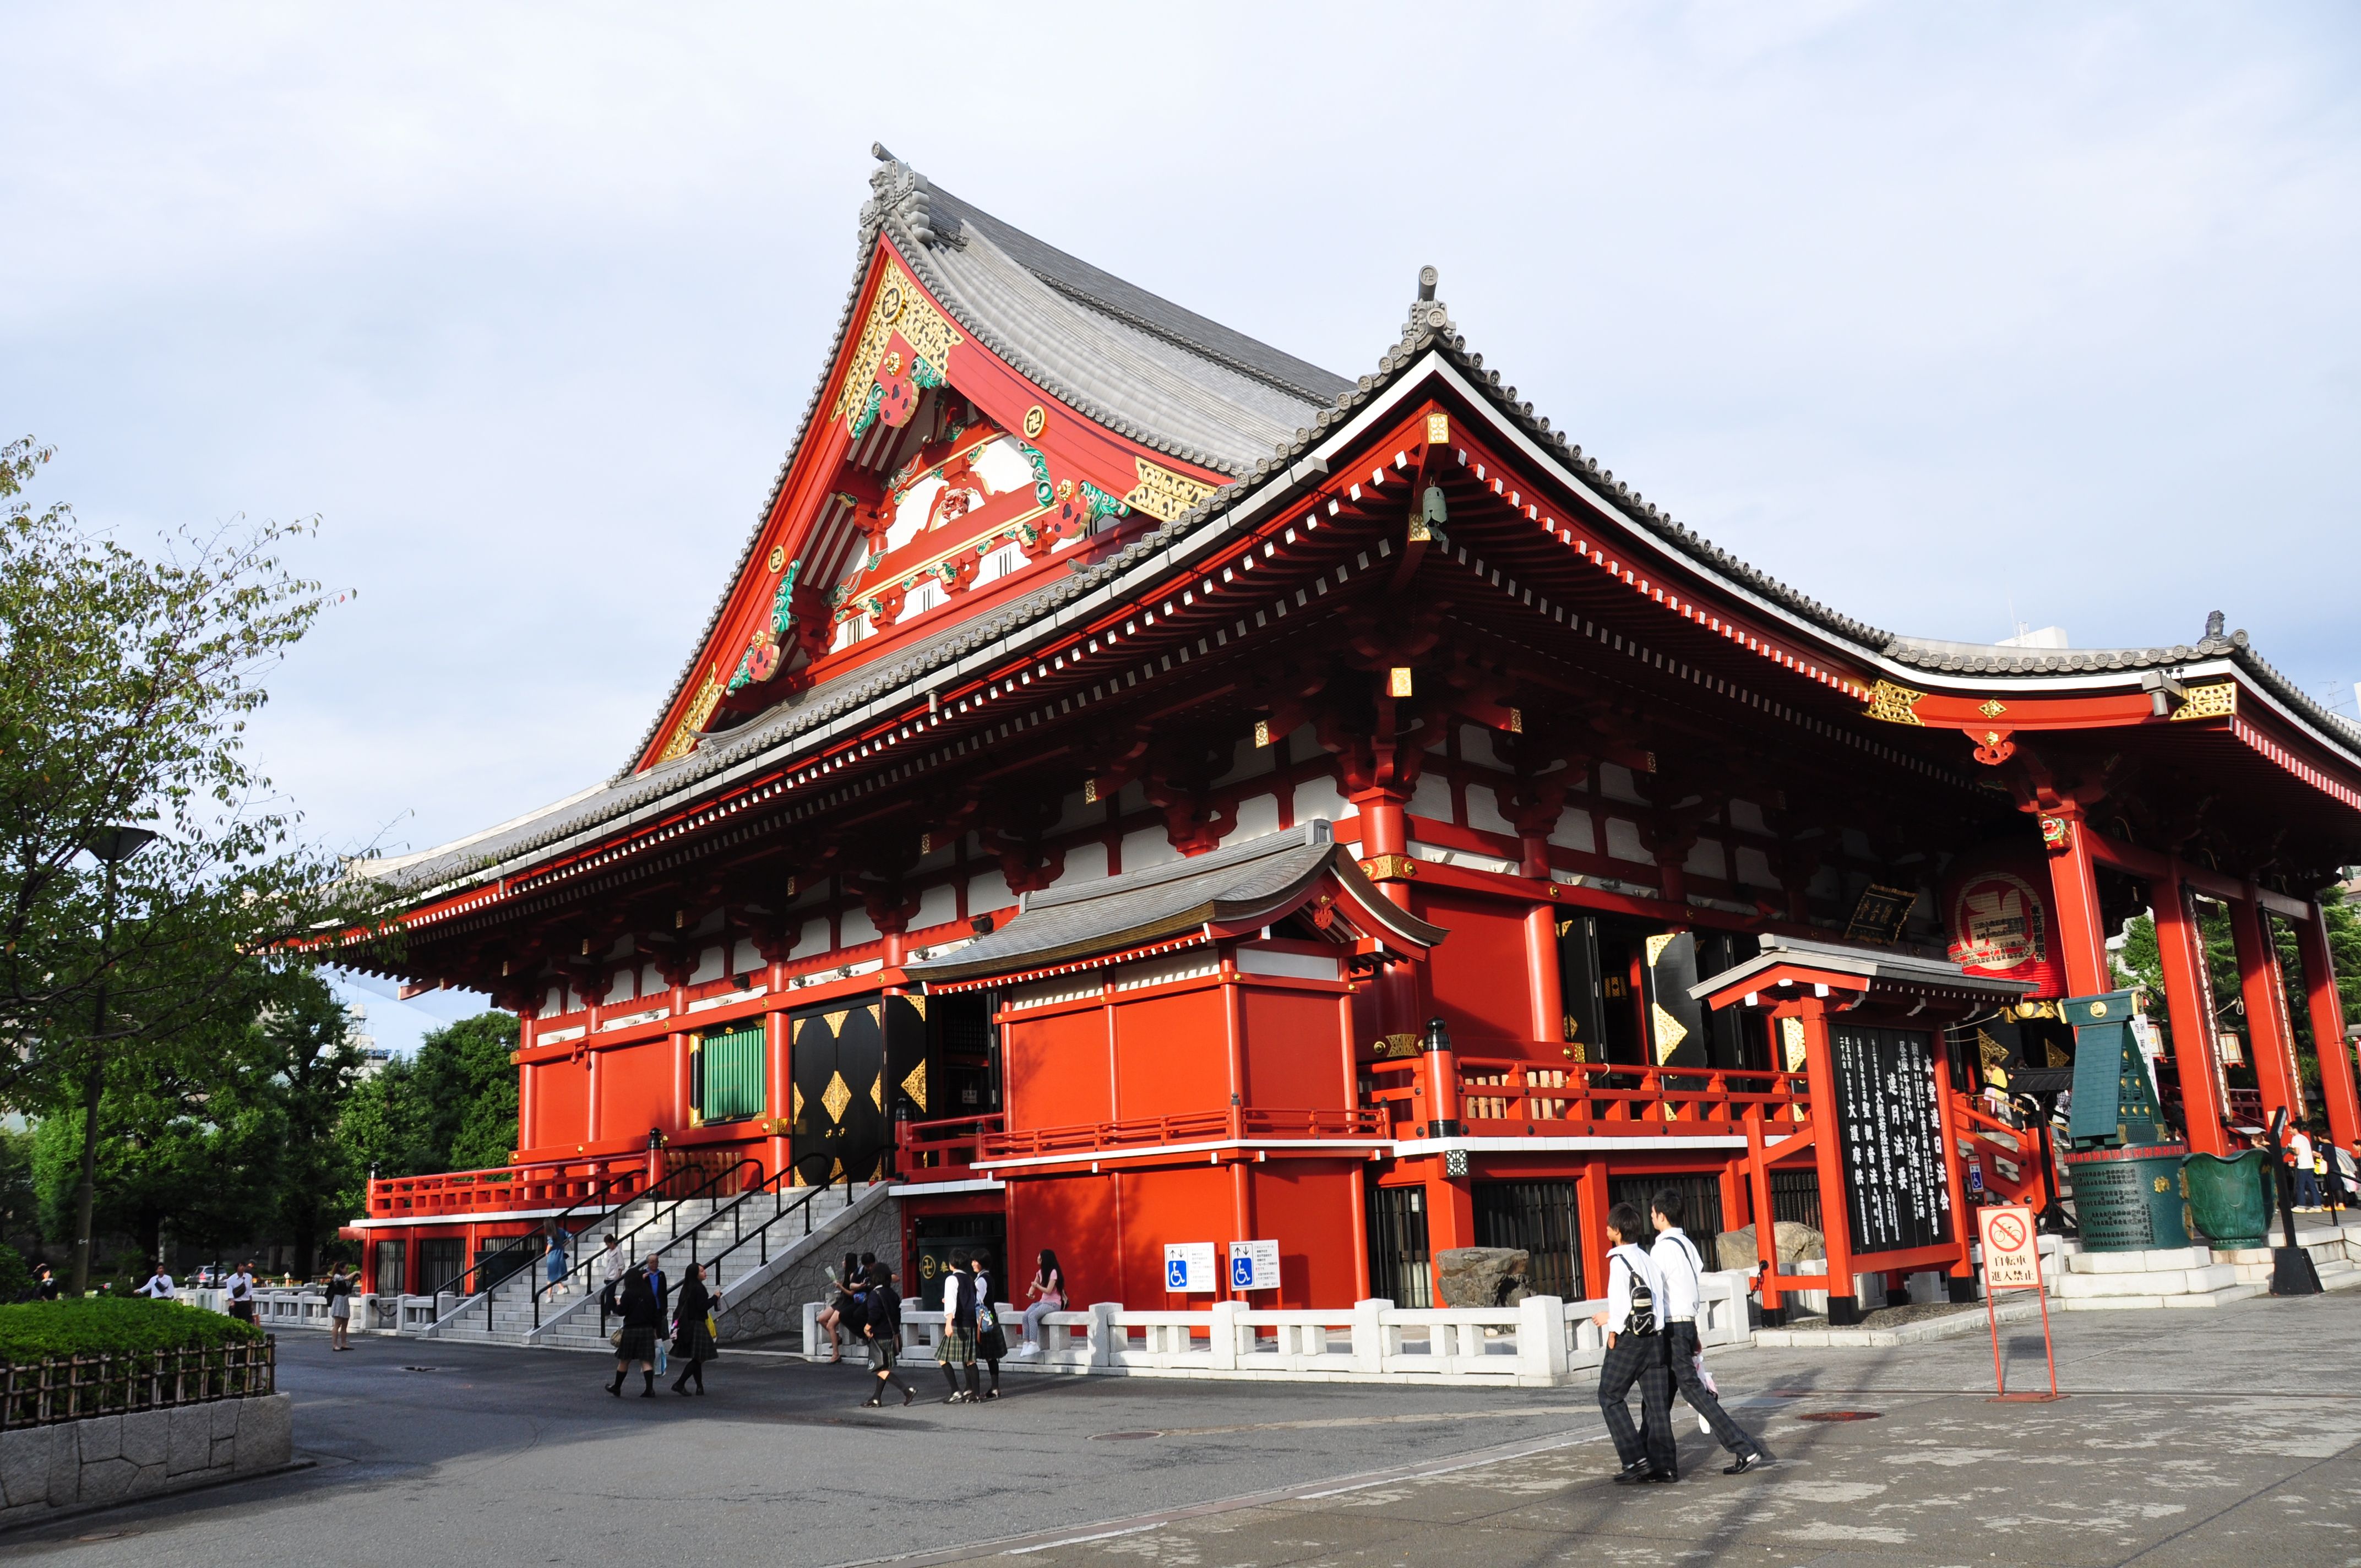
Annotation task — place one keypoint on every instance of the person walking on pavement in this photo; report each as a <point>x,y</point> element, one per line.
<point>159,1287</point>
<point>241,1293</point>
<point>882,1334</point>
<point>636,1340</point>
<point>955,1352</point>
<point>340,1309</point>
<point>692,1329</point>
<point>1682,1272</point>
<point>1635,1354</point>
<point>990,1339</point>
<point>2299,1157</point>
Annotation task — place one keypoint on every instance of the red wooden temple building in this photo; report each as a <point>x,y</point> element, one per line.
<point>1139,788</point>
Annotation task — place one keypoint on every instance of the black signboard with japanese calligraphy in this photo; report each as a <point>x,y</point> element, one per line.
<point>1893,1133</point>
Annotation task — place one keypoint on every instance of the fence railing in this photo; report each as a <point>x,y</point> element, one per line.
<point>554,1184</point>
<point>942,1151</point>
<point>1235,1122</point>
<point>1541,1341</point>
<point>71,1387</point>
<point>1500,1094</point>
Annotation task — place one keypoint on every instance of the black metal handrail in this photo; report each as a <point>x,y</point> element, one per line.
<point>532,1244</point>
<point>631,1237</point>
<point>761,1233</point>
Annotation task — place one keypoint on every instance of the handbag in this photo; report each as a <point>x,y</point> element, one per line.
<point>616,1339</point>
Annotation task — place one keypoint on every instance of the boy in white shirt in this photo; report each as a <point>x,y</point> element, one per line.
<point>1635,1354</point>
<point>159,1287</point>
<point>1682,1271</point>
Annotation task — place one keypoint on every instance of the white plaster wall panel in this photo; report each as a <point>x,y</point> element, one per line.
<point>1574,830</point>
<point>711,925</point>
<point>987,891</point>
<point>555,1000</point>
<point>1484,810</point>
<point>1303,744</point>
<point>1856,843</point>
<point>855,928</point>
<point>1476,746</point>
<point>911,515</point>
<point>1317,797</point>
<point>1705,859</point>
<point>1623,841</point>
<point>1074,812</point>
<point>1615,783</point>
<point>1747,816</point>
<point>936,906</point>
<point>1258,815</point>
<point>1248,760</point>
<point>1147,847</point>
<point>1432,798</point>
<point>745,957</point>
<point>1002,467</point>
<point>813,938</point>
<point>1132,800</point>
<point>1084,863</point>
<point>621,949</point>
<point>1754,868</point>
<point>936,859</point>
<point>651,982</point>
<point>709,966</point>
<point>809,892</point>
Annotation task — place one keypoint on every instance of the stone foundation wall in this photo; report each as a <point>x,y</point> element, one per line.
<point>775,1306</point>
<point>112,1459</point>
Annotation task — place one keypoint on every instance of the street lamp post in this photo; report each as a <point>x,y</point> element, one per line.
<point>112,845</point>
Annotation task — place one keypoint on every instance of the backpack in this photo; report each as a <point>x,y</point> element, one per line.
<point>1642,1317</point>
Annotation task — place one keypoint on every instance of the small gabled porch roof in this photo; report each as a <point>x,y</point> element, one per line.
<point>1796,968</point>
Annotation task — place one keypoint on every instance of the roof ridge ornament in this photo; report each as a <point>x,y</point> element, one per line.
<point>1427,313</point>
<point>900,191</point>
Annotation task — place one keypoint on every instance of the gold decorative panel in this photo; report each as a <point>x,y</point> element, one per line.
<point>2218,701</point>
<point>798,1106</point>
<point>1669,1033</point>
<point>683,738</point>
<point>1791,1036</point>
<point>1658,943</point>
<point>877,1090</point>
<point>914,1086</point>
<point>1163,494</point>
<point>898,307</point>
<point>1896,704</point>
<point>836,1096</point>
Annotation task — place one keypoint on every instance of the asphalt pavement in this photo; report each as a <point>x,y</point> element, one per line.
<point>2222,1437</point>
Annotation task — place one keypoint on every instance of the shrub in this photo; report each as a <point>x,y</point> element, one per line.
<point>32,1330</point>
<point>15,1278</point>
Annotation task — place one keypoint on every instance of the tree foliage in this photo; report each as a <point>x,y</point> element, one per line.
<point>453,1107</point>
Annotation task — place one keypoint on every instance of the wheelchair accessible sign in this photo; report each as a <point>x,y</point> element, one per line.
<point>1253,1266</point>
<point>1188,1267</point>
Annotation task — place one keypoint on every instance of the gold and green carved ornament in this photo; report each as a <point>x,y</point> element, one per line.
<point>766,651</point>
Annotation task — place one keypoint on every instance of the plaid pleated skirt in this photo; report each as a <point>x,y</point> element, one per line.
<point>957,1347</point>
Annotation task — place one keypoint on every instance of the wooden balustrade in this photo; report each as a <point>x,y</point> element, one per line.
<point>549,1184</point>
<point>1497,1095</point>
<point>1234,1125</point>
<point>941,1151</point>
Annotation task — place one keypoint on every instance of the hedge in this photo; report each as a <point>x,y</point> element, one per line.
<point>103,1326</point>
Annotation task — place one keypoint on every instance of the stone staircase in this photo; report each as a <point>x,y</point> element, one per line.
<point>720,1232</point>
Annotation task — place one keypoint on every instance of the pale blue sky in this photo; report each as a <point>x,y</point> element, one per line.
<point>1931,312</point>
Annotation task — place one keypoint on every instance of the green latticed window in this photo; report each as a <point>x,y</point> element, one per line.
<point>726,1082</point>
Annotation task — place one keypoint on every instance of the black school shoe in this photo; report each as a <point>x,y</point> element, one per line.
<point>1636,1470</point>
<point>1753,1459</point>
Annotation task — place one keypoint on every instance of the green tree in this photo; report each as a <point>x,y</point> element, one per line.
<point>469,1084</point>
<point>384,1130</point>
<point>309,1065</point>
<point>126,683</point>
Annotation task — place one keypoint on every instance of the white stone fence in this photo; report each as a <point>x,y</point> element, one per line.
<point>277,1308</point>
<point>1541,1341</point>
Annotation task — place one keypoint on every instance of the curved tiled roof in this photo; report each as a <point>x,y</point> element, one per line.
<point>1228,379</point>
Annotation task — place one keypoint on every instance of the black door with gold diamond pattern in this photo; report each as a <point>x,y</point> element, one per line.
<point>838,1124</point>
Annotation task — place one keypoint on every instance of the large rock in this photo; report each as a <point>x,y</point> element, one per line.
<point>1737,1249</point>
<point>1482,1276</point>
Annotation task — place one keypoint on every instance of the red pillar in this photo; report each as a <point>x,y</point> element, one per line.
<point>2336,1086</point>
<point>2259,985</point>
<point>1542,994</point>
<point>2181,948</point>
<point>1828,1160</point>
<point>2080,932</point>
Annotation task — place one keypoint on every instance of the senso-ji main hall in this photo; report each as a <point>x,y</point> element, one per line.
<point>1139,789</point>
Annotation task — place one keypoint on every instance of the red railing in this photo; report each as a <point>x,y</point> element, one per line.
<point>552,1184</point>
<point>1994,1140</point>
<point>941,1151</point>
<point>1501,1095</point>
<point>1233,1125</point>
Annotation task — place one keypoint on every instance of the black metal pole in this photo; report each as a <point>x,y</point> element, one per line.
<point>2292,1272</point>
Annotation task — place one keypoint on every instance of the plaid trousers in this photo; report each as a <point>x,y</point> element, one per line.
<point>1681,1352</point>
<point>1639,1358</point>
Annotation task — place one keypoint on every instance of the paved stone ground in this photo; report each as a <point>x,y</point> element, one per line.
<point>2201,1438</point>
